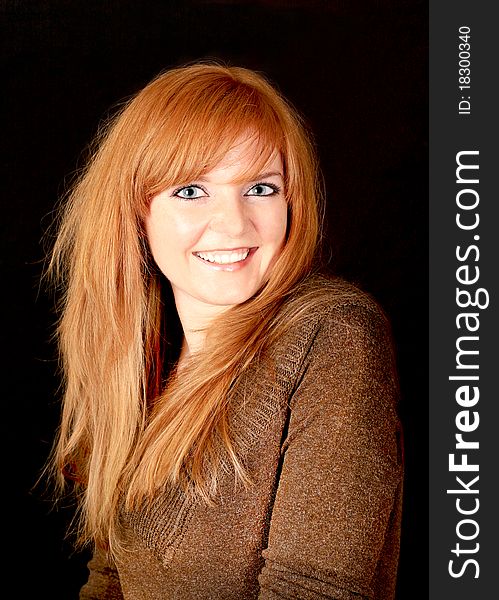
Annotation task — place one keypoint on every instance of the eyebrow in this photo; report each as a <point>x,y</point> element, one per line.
<point>257,178</point>
<point>268,174</point>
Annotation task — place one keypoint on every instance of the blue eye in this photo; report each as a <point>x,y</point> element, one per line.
<point>190,192</point>
<point>263,189</point>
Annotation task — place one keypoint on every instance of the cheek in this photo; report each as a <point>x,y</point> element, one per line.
<point>169,231</point>
<point>159,236</point>
<point>274,225</point>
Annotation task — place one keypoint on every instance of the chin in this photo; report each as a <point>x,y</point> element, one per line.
<point>228,298</point>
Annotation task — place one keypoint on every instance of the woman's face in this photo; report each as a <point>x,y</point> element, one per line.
<point>215,238</point>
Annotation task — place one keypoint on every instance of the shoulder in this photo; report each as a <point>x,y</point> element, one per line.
<point>348,376</point>
<point>328,335</point>
<point>322,305</point>
<point>346,333</point>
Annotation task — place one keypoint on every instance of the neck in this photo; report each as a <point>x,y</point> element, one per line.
<point>195,317</point>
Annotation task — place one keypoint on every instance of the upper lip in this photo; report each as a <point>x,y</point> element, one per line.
<point>239,248</point>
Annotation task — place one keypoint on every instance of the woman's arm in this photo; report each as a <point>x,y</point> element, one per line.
<point>103,582</point>
<point>335,524</point>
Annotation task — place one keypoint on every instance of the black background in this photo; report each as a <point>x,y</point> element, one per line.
<point>358,71</point>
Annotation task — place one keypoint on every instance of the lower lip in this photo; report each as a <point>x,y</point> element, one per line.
<point>236,266</point>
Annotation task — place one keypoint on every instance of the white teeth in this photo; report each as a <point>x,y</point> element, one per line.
<point>224,258</point>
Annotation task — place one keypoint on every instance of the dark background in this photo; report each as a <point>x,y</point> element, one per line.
<point>358,71</point>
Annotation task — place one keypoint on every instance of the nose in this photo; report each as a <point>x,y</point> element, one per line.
<point>230,216</point>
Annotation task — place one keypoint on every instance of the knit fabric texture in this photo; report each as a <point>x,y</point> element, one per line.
<point>315,422</point>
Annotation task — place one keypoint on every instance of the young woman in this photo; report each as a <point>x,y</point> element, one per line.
<point>229,420</point>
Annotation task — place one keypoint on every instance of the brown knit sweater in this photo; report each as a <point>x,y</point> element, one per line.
<point>315,422</point>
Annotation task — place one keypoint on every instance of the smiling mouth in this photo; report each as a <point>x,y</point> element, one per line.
<point>224,257</point>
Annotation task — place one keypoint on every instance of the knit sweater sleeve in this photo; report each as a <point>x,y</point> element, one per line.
<point>103,582</point>
<point>341,469</point>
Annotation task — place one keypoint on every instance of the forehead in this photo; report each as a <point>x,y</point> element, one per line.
<point>245,161</point>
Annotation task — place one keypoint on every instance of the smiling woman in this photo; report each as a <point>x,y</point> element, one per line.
<point>229,423</point>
